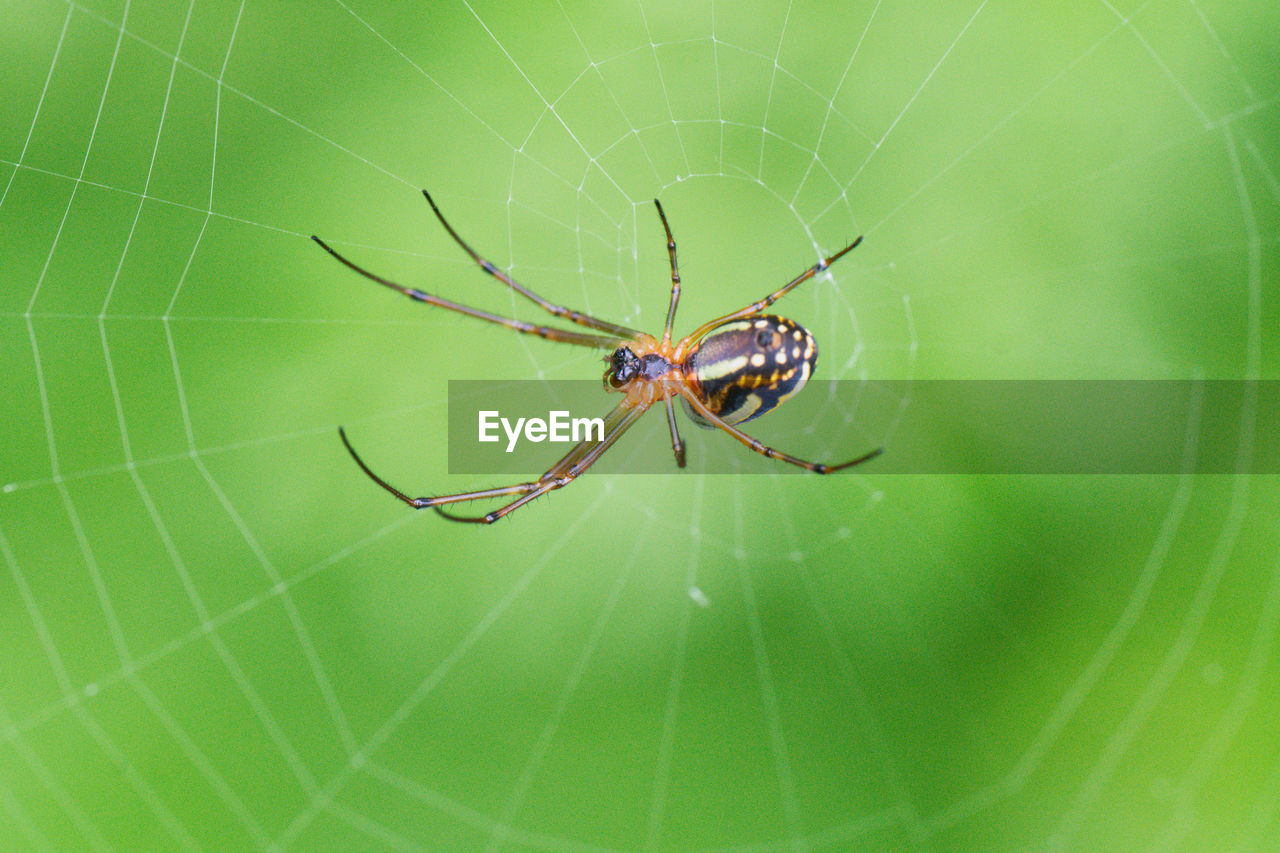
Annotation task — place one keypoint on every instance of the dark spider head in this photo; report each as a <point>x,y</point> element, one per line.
<point>624,365</point>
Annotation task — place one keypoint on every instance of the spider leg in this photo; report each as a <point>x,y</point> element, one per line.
<point>677,446</point>
<point>575,462</point>
<point>558,310</point>
<point>675,282</point>
<point>579,458</point>
<point>420,503</point>
<point>764,450</point>
<point>757,307</point>
<point>558,335</point>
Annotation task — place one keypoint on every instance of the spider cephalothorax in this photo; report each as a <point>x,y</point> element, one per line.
<point>625,366</point>
<point>727,371</point>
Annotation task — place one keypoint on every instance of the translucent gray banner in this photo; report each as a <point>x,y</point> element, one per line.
<point>521,428</point>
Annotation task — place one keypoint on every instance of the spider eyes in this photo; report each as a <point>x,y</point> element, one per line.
<point>623,366</point>
<point>766,339</point>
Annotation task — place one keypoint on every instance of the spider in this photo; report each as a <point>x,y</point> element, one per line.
<point>727,371</point>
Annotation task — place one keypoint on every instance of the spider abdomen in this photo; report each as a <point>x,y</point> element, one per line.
<point>747,367</point>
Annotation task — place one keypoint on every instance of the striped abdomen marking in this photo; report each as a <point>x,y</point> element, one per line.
<point>747,367</point>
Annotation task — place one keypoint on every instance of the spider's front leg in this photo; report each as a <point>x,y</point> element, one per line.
<point>575,462</point>
<point>423,503</point>
<point>564,472</point>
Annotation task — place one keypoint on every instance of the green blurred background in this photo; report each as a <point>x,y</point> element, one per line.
<point>218,634</point>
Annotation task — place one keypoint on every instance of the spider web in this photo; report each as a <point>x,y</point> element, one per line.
<point>218,635</point>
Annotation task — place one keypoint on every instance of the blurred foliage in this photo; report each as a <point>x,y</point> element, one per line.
<point>217,633</point>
